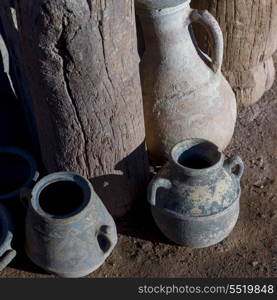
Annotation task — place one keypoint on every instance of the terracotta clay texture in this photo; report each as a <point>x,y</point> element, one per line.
<point>249,28</point>
<point>184,93</point>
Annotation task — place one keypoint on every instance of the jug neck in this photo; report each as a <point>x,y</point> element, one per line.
<point>165,28</point>
<point>197,158</point>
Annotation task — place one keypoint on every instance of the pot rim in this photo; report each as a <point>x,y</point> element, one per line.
<point>159,7</point>
<point>82,182</point>
<point>33,174</point>
<point>186,145</point>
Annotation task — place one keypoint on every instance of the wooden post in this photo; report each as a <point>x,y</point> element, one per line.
<point>249,28</point>
<point>82,65</point>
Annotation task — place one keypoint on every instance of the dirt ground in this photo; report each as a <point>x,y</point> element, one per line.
<point>249,251</point>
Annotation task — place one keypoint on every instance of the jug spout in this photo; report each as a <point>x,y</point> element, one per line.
<point>166,30</point>
<point>164,18</point>
<point>159,4</point>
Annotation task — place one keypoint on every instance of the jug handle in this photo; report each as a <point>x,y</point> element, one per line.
<point>230,163</point>
<point>6,258</point>
<point>154,185</point>
<point>207,20</point>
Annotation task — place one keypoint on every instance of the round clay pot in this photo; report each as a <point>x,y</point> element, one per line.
<point>69,231</point>
<point>198,203</point>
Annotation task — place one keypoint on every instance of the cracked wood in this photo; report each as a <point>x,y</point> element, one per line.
<point>82,64</point>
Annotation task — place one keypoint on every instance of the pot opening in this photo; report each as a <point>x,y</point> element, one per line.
<point>194,162</point>
<point>61,198</point>
<point>193,155</point>
<point>15,172</point>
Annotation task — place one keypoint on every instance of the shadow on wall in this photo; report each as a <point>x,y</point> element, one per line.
<point>16,104</point>
<point>120,192</point>
<point>116,191</point>
<point>13,129</point>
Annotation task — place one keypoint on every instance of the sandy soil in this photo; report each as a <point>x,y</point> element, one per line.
<point>249,251</point>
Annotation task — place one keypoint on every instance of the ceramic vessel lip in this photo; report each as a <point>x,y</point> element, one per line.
<point>17,152</point>
<point>149,6</point>
<point>184,146</point>
<point>83,183</point>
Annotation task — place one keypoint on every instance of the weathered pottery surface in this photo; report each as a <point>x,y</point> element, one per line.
<point>6,236</point>
<point>184,93</point>
<point>69,232</point>
<point>18,171</point>
<point>195,196</point>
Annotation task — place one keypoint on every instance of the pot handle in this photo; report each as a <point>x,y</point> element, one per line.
<point>6,258</point>
<point>105,239</point>
<point>153,187</point>
<point>206,19</point>
<point>230,163</point>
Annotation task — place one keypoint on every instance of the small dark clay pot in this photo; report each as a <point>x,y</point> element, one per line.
<point>69,232</point>
<point>195,196</point>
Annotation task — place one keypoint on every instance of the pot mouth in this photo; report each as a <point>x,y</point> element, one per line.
<point>18,170</point>
<point>159,5</point>
<point>61,196</point>
<point>197,156</point>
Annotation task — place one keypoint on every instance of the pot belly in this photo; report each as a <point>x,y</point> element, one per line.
<point>197,232</point>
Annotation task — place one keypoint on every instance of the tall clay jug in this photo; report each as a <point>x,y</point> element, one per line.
<point>184,93</point>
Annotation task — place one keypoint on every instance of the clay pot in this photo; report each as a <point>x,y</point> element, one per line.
<point>18,171</point>
<point>184,93</point>
<point>69,232</point>
<point>198,205</point>
<point>6,236</point>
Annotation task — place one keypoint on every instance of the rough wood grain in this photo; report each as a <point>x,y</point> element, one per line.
<point>82,65</point>
<point>249,28</point>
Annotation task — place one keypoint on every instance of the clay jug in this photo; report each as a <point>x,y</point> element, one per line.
<point>69,231</point>
<point>195,196</point>
<point>184,93</point>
